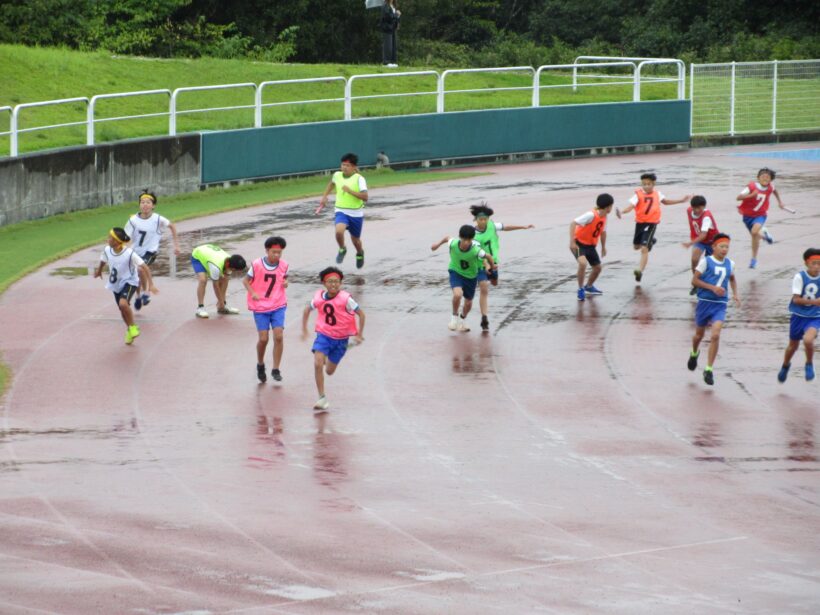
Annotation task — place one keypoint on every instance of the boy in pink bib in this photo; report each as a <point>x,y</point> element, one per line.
<point>266,282</point>
<point>335,324</point>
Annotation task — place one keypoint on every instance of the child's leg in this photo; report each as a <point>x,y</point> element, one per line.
<point>594,273</point>
<point>644,257</point>
<point>483,293</point>
<point>261,345</point>
<point>341,227</point>
<point>714,343</point>
<point>468,305</point>
<point>808,344</point>
<point>582,270</point>
<point>126,312</point>
<point>458,293</point>
<point>201,283</point>
<point>756,232</point>
<point>357,243</point>
<point>278,346</point>
<point>790,350</point>
<point>697,338</point>
<point>330,368</point>
<point>319,360</point>
<point>696,254</point>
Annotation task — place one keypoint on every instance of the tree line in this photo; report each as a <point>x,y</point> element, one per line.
<point>432,32</point>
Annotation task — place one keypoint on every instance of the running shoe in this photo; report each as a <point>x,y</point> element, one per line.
<point>462,326</point>
<point>767,236</point>
<point>809,372</point>
<point>453,323</point>
<point>277,375</point>
<point>485,324</point>
<point>638,275</point>
<point>359,260</point>
<point>146,299</point>
<point>132,334</point>
<point>201,312</point>
<point>692,364</point>
<point>581,294</point>
<point>341,255</point>
<point>591,290</point>
<point>228,310</point>
<point>138,303</point>
<point>321,405</point>
<point>753,263</point>
<point>708,377</point>
<point>260,373</point>
<point>783,373</point>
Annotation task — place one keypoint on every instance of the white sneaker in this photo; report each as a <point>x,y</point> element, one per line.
<point>321,404</point>
<point>201,313</point>
<point>453,323</point>
<point>228,310</point>
<point>462,326</point>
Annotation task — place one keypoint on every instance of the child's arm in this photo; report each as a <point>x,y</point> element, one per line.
<point>489,258</point>
<point>777,196</point>
<point>173,228</point>
<point>98,269</point>
<point>718,290</point>
<point>146,279</point>
<point>438,244</point>
<point>360,335</point>
<point>323,200</point>
<point>699,239</point>
<point>359,195</point>
<point>685,199</point>
<point>746,194</point>
<point>516,227</point>
<point>246,282</point>
<point>603,244</point>
<point>733,284</point>
<point>800,300</point>
<point>573,243</point>
<point>625,210</point>
<point>305,316</point>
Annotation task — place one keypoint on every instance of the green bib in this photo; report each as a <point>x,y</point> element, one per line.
<point>488,238</point>
<point>345,200</point>
<point>209,253</point>
<point>466,264</point>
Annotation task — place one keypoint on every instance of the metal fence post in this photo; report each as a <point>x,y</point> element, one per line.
<point>732,104</point>
<point>13,131</point>
<point>774,97</point>
<point>348,101</point>
<point>691,99</point>
<point>440,93</point>
<point>172,114</point>
<point>89,122</point>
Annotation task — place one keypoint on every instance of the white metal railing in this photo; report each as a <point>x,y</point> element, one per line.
<point>258,105</point>
<point>735,98</point>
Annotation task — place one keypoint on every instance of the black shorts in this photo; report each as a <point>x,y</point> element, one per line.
<point>149,257</point>
<point>588,252</point>
<point>126,293</point>
<point>644,234</point>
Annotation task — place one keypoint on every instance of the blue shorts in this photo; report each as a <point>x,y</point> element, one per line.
<point>270,320</point>
<point>706,248</point>
<point>198,267</point>
<point>800,324</point>
<point>127,292</point>
<point>354,225</point>
<point>332,348</point>
<point>483,276</point>
<point>708,312</point>
<point>466,285</point>
<point>750,221</point>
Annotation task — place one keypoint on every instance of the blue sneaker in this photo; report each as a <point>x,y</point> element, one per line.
<point>341,256</point>
<point>767,236</point>
<point>581,294</point>
<point>783,373</point>
<point>591,290</point>
<point>138,303</point>
<point>146,299</point>
<point>809,371</point>
<point>753,263</point>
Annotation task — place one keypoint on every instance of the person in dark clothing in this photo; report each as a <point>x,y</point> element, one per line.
<point>388,25</point>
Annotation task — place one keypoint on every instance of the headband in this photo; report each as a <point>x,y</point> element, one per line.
<point>813,257</point>
<point>331,274</point>
<point>721,240</point>
<point>114,235</point>
<point>276,245</point>
<point>150,196</point>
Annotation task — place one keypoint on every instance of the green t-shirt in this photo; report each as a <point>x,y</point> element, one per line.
<point>466,263</point>
<point>488,238</point>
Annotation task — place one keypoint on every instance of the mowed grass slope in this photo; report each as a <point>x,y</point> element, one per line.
<point>39,74</point>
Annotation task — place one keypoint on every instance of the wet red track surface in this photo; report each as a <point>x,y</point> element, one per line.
<point>565,463</point>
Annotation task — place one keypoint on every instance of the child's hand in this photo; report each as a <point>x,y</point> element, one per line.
<point>358,339</point>
<point>154,290</point>
<point>254,296</point>
<point>618,213</point>
<point>304,335</point>
<point>719,291</point>
<point>573,247</point>
<point>97,273</point>
<point>737,300</point>
<point>687,244</point>
<point>603,251</point>
<point>285,283</point>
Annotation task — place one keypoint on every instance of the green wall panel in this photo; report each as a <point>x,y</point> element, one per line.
<point>283,150</point>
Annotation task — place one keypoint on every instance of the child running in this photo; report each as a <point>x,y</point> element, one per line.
<point>647,203</point>
<point>487,237</point>
<point>702,231</point>
<point>146,228</point>
<point>126,270</point>
<point>584,233</point>
<point>466,259</point>
<point>754,208</point>
<point>266,282</point>
<point>805,309</point>
<point>335,324</point>
<point>351,195</point>
<point>713,275</point>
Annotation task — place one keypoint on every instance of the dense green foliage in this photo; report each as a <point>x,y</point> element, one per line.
<point>443,32</point>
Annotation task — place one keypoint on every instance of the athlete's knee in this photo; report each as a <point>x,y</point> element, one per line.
<point>278,335</point>
<point>263,337</point>
<point>330,368</point>
<point>597,268</point>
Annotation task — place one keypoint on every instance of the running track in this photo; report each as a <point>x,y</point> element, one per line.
<point>566,463</point>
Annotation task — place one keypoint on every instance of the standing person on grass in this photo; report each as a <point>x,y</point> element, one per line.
<point>713,276</point>
<point>389,24</point>
<point>351,195</point>
<point>647,203</point>
<point>146,228</point>
<point>584,233</point>
<point>486,234</point>
<point>266,282</point>
<point>126,271</point>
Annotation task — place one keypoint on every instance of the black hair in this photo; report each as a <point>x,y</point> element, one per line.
<point>351,158</point>
<point>766,170</point>
<point>466,232</point>
<point>481,209</point>
<point>151,195</point>
<point>328,270</point>
<point>604,200</point>
<point>121,234</point>
<point>236,262</point>
<point>698,201</point>
<point>272,241</point>
<point>718,237</point>
<point>809,253</point>
<point>651,176</point>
